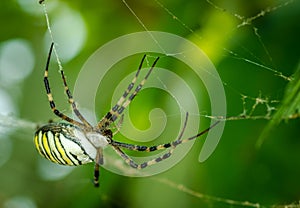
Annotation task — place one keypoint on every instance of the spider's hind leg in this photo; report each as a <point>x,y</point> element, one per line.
<point>143,165</point>
<point>172,145</point>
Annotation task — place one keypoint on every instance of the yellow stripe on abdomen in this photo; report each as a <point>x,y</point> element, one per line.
<point>46,147</point>
<point>62,152</point>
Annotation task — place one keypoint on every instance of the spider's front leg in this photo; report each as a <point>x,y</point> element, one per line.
<point>125,99</point>
<point>58,113</point>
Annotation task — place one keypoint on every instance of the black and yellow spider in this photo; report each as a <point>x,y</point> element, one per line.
<point>77,143</point>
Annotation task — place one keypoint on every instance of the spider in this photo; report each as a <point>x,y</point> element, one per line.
<point>76,143</point>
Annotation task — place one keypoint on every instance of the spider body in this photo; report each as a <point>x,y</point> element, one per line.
<point>66,144</point>
<point>58,143</point>
<point>78,142</point>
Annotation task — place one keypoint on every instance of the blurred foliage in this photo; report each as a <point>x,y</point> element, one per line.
<point>250,58</point>
<point>289,108</point>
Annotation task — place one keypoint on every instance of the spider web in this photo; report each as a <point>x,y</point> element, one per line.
<point>252,104</point>
<point>271,107</point>
<point>247,103</point>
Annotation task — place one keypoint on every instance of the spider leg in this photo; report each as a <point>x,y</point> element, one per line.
<point>68,93</point>
<point>50,97</point>
<point>153,148</point>
<point>136,91</point>
<point>173,144</point>
<point>119,124</point>
<point>98,162</point>
<point>96,175</point>
<point>71,100</point>
<point>122,103</point>
<point>110,115</point>
<point>184,126</point>
<point>133,164</point>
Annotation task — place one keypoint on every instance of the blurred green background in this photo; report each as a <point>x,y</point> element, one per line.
<point>255,62</point>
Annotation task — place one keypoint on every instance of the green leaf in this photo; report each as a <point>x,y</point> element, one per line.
<point>289,109</point>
